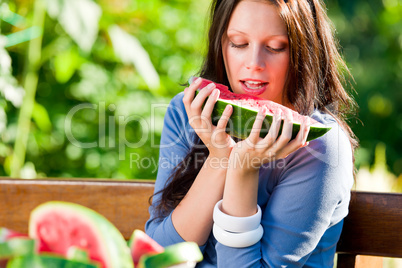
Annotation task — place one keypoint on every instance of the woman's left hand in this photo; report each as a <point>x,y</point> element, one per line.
<point>256,151</point>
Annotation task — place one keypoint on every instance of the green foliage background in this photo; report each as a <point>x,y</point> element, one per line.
<point>89,65</point>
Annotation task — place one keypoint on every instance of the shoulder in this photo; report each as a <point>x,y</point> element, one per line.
<point>177,101</point>
<point>176,128</point>
<point>326,163</point>
<point>176,112</point>
<point>333,148</point>
<point>322,172</point>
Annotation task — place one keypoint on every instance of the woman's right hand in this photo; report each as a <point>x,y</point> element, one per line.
<point>218,142</point>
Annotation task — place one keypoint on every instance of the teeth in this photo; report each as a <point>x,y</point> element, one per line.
<point>253,84</point>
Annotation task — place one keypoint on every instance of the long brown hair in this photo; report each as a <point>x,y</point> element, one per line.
<point>315,79</point>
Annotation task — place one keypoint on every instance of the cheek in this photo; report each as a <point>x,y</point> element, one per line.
<point>233,61</point>
<point>282,67</point>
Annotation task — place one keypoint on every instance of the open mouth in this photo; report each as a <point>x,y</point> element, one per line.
<point>254,87</point>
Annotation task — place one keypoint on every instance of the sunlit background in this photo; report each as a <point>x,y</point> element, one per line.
<point>84,84</point>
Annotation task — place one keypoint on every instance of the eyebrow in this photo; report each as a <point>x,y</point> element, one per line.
<point>241,32</point>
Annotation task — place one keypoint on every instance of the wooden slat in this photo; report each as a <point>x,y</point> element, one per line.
<point>369,262</point>
<point>373,226</point>
<point>359,261</point>
<point>124,203</point>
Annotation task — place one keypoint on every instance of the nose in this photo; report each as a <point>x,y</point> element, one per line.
<point>255,59</point>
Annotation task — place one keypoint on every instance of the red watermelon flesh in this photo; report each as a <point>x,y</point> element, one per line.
<point>58,233</point>
<point>140,244</point>
<point>58,226</point>
<point>253,102</point>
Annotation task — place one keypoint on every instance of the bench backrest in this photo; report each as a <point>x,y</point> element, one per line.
<point>373,226</point>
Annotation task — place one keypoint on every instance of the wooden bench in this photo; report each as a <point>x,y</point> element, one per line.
<point>372,228</point>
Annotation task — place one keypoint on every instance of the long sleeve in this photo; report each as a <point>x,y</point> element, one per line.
<point>304,199</point>
<point>174,146</point>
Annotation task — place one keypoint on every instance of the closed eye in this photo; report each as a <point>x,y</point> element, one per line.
<point>276,50</point>
<point>237,45</point>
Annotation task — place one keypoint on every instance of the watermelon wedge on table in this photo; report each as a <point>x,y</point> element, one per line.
<point>13,244</point>
<point>58,226</point>
<point>184,255</point>
<point>147,253</point>
<point>141,244</point>
<point>245,109</point>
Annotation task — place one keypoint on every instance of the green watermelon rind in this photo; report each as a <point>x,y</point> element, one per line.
<point>242,119</point>
<point>47,261</point>
<point>113,246</point>
<point>16,247</point>
<point>77,254</point>
<point>185,252</point>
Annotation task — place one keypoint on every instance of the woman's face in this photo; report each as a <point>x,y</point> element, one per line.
<point>255,50</point>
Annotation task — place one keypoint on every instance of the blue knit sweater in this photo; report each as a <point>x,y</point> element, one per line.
<point>303,198</point>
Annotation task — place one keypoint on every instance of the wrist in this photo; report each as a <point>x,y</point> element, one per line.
<point>244,163</point>
<point>241,170</point>
<point>217,162</point>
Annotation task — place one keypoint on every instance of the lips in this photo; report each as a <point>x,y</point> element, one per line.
<point>254,87</point>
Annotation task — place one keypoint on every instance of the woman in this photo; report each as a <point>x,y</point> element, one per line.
<point>259,202</point>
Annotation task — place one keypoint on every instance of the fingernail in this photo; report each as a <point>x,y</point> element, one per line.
<point>210,86</point>
<point>215,92</point>
<point>228,108</point>
<point>198,80</point>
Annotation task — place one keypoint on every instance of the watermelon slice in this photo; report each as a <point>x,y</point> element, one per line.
<point>245,109</point>
<point>185,254</point>
<point>60,225</point>
<point>47,261</point>
<point>140,244</point>
<point>14,244</point>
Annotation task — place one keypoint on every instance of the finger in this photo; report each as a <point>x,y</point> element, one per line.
<point>305,130</point>
<point>273,132</point>
<point>209,105</point>
<point>254,136</point>
<point>219,135</point>
<point>199,100</point>
<point>223,121</point>
<point>189,93</point>
<point>299,141</point>
<point>286,134</point>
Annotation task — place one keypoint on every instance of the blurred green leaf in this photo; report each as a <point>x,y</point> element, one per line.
<point>65,64</point>
<point>10,17</point>
<point>23,36</point>
<point>9,87</point>
<point>3,120</point>
<point>41,117</point>
<point>130,51</point>
<point>79,18</point>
